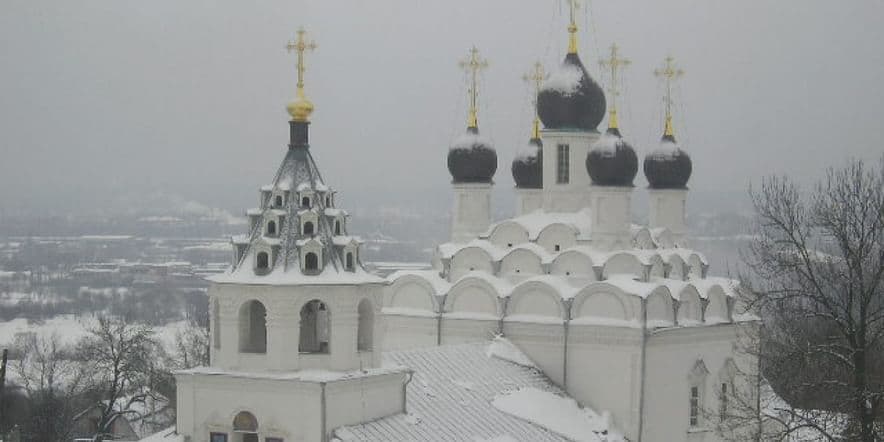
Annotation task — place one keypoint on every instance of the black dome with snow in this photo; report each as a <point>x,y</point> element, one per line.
<point>570,98</point>
<point>528,166</point>
<point>471,159</point>
<point>668,167</point>
<point>612,161</point>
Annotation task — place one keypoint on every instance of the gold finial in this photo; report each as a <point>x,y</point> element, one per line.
<point>614,63</point>
<point>537,75</point>
<point>301,108</point>
<point>669,73</point>
<point>473,65</point>
<point>573,5</point>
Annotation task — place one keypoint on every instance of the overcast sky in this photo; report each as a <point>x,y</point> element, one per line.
<point>102,98</point>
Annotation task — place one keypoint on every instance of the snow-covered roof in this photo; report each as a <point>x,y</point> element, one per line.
<point>452,396</point>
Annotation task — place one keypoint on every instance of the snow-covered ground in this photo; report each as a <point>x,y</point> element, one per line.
<point>71,329</point>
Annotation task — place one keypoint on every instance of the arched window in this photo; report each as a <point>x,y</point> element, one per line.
<point>271,228</point>
<point>337,227</point>
<point>253,328</point>
<point>308,228</point>
<point>216,324</point>
<point>278,200</point>
<point>305,201</point>
<point>365,333</point>
<point>311,262</point>
<point>327,201</point>
<point>349,260</point>
<point>315,324</point>
<point>263,261</point>
<point>245,422</point>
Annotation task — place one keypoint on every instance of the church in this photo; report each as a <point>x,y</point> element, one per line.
<point>565,322</point>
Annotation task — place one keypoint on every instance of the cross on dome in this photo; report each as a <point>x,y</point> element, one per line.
<point>573,6</point>
<point>614,63</point>
<point>472,65</point>
<point>301,108</point>
<point>669,73</point>
<point>536,75</point>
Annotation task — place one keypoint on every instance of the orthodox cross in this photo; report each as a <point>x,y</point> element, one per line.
<point>536,75</point>
<point>614,62</point>
<point>300,46</point>
<point>573,5</point>
<point>472,66</point>
<point>669,73</point>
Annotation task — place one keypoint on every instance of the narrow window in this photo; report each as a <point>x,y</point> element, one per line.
<point>308,228</point>
<point>337,227</point>
<point>328,201</point>
<point>349,261</point>
<point>563,164</point>
<point>271,228</point>
<point>305,201</point>
<point>558,247</point>
<point>695,406</point>
<point>263,261</point>
<point>311,262</point>
<point>722,412</point>
<point>278,200</point>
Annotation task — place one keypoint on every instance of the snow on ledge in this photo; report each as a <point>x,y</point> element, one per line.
<point>167,435</point>
<point>558,414</point>
<point>502,348</point>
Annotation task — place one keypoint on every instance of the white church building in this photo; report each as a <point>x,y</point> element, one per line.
<point>568,308</point>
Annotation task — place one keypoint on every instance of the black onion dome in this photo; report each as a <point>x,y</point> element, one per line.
<point>528,166</point>
<point>571,99</point>
<point>471,159</point>
<point>668,167</point>
<point>612,161</point>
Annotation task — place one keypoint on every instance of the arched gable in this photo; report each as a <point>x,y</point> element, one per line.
<point>716,306</point>
<point>659,307</point>
<point>470,259</point>
<point>574,263</point>
<point>663,238</point>
<point>473,295</point>
<point>658,267</point>
<point>411,292</point>
<point>642,239</point>
<point>521,261</point>
<point>508,234</point>
<point>557,237</point>
<point>690,306</point>
<point>604,301</point>
<point>695,266</point>
<point>535,298</point>
<point>623,263</point>
<point>677,268</point>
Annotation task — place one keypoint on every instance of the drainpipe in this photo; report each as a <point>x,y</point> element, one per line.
<point>566,327</point>
<point>641,391</point>
<point>439,321</point>
<point>322,413</point>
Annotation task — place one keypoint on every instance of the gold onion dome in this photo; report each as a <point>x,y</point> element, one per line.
<point>301,108</point>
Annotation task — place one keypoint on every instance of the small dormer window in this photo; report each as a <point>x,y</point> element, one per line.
<point>558,247</point>
<point>311,262</point>
<point>305,201</point>
<point>278,201</point>
<point>271,228</point>
<point>509,244</point>
<point>262,262</point>
<point>327,201</point>
<point>349,260</point>
<point>308,228</point>
<point>337,227</point>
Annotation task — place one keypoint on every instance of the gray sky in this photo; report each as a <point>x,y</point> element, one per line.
<point>107,98</point>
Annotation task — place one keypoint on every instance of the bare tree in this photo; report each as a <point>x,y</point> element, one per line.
<point>53,382</point>
<point>191,347</point>
<point>122,358</point>
<point>818,273</point>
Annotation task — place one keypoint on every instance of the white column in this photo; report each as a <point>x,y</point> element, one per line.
<point>667,209</point>
<point>611,216</point>
<point>472,211</point>
<point>571,195</point>
<point>283,336</point>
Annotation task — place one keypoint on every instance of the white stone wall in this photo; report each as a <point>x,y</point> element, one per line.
<point>574,195</point>
<point>472,211</point>
<point>611,217</point>
<point>528,200</point>
<point>667,209</point>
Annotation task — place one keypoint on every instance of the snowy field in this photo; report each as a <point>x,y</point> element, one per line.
<point>71,329</point>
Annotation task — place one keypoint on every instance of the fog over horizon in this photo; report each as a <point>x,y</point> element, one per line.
<point>106,101</point>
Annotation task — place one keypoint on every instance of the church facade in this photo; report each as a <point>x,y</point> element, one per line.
<point>306,345</point>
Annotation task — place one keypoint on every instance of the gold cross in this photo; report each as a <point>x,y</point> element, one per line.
<point>573,5</point>
<point>300,46</point>
<point>537,75</point>
<point>669,73</point>
<point>473,65</point>
<point>614,63</point>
